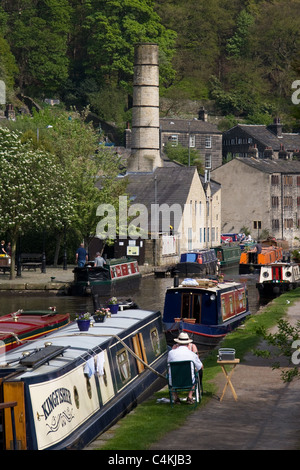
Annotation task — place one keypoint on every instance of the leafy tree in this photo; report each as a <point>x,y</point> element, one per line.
<point>38,33</point>
<point>113,28</point>
<point>35,192</point>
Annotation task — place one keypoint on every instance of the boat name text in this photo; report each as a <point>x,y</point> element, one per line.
<point>57,397</point>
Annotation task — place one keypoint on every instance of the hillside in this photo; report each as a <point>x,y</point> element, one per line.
<point>238,58</point>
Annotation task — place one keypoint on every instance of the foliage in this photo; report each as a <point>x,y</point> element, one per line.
<point>35,192</point>
<point>184,156</point>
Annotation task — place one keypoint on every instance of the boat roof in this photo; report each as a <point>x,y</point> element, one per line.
<point>75,344</point>
<point>207,285</point>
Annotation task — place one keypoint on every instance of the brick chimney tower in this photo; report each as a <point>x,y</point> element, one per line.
<point>145,148</point>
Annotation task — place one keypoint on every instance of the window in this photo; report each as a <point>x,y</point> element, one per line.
<point>288,201</point>
<point>298,201</point>
<point>207,160</point>
<point>288,223</point>
<point>288,180</point>
<point>208,142</point>
<point>174,140</point>
<point>257,224</point>
<point>192,141</point>
<point>275,201</point>
<point>275,224</point>
<point>275,180</point>
<point>298,180</point>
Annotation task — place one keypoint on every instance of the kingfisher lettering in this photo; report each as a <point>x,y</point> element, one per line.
<point>58,396</point>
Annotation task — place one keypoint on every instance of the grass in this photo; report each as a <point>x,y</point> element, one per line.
<point>151,420</point>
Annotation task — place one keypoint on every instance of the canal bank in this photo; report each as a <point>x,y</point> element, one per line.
<point>54,281</point>
<point>266,415</point>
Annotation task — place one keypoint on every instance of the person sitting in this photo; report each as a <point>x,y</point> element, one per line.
<point>191,346</point>
<point>99,260</point>
<point>183,353</point>
<point>2,248</point>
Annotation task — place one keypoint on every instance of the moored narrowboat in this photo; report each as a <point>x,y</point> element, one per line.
<point>24,325</point>
<point>200,263</point>
<point>251,260</point>
<point>71,386</point>
<point>116,276</point>
<point>205,309</point>
<point>228,255</point>
<point>277,278</point>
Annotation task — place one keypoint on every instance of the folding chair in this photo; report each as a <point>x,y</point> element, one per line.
<point>182,376</point>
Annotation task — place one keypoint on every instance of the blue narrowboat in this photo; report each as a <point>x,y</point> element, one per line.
<point>205,309</point>
<point>71,386</point>
<point>200,263</point>
<point>116,277</point>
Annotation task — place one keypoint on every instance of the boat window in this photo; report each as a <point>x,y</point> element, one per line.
<point>223,307</point>
<point>154,336</point>
<point>231,303</point>
<point>123,365</point>
<point>88,387</point>
<point>76,397</point>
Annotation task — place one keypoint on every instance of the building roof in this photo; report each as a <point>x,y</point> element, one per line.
<point>185,125</point>
<point>268,138</point>
<point>169,185</point>
<point>271,166</point>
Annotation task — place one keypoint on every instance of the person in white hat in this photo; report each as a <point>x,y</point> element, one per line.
<point>185,337</point>
<point>183,353</point>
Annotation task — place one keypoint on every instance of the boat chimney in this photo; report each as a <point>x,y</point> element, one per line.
<point>176,278</point>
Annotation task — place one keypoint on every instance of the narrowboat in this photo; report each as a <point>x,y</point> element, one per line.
<point>277,278</point>
<point>251,260</point>
<point>24,325</point>
<point>200,263</point>
<point>227,255</point>
<point>71,386</point>
<point>116,276</point>
<point>205,309</point>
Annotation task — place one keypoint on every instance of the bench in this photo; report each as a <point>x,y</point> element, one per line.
<point>31,261</point>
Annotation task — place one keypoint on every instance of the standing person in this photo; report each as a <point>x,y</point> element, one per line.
<point>2,248</point>
<point>183,353</point>
<point>81,256</point>
<point>8,248</point>
<point>99,260</point>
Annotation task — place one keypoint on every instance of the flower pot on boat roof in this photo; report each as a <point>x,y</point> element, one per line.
<point>83,321</point>
<point>113,305</point>
<point>101,314</point>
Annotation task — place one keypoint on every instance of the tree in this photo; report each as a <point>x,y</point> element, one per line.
<point>113,28</point>
<point>37,33</point>
<point>35,192</point>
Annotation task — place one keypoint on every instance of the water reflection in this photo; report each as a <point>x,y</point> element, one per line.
<point>150,296</point>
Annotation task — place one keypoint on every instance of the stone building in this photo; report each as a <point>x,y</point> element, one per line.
<point>259,141</point>
<point>261,194</point>
<point>196,134</point>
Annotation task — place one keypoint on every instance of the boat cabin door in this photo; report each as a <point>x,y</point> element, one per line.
<point>191,306</point>
<point>14,391</point>
<point>140,351</point>
<point>276,273</point>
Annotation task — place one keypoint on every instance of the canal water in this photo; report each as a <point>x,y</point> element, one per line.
<point>150,296</point>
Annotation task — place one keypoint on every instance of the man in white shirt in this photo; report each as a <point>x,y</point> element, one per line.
<point>183,353</point>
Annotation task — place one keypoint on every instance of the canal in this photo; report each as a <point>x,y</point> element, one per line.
<point>150,296</point>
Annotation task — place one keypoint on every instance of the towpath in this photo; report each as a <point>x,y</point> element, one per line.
<point>266,415</point>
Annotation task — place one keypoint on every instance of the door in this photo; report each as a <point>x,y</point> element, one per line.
<point>140,351</point>
<point>14,391</point>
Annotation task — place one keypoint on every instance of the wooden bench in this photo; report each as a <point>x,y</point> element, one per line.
<point>31,261</point>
